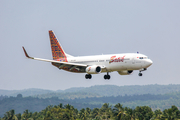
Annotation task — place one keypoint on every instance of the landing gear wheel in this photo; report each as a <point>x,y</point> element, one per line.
<point>107,77</point>
<point>140,74</point>
<point>88,76</point>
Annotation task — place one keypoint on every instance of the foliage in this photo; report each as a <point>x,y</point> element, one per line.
<point>112,99</point>
<point>106,112</point>
<point>154,101</point>
<point>158,97</point>
<point>34,104</point>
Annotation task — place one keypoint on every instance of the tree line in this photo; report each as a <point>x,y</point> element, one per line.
<point>112,99</point>
<point>111,90</point>
<point>20,103</point>
<point>106,112</point>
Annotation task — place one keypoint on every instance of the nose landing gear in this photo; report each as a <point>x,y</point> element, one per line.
<point>140,74</point>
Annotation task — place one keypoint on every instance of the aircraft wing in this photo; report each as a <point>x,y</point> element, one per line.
<point>65,65</point>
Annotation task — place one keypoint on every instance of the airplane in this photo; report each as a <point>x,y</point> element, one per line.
<point>124,63</point>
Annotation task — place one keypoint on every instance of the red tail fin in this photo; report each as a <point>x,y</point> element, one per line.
<point>57,51</point>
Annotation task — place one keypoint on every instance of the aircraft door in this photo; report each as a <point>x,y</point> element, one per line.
<point>133,60</point>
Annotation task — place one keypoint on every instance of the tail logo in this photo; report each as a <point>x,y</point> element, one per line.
<point>57,51</point>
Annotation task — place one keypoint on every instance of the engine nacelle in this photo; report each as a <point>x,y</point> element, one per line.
<point>93,69</point>
<point>125,72</point>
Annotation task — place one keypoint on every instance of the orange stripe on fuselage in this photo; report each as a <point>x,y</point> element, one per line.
<point>57,52</point>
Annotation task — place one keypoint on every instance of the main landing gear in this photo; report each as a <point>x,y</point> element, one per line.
<point>88,76</point>
<point>107,76</point>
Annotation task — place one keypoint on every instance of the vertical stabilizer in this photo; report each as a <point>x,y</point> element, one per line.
<point>57,51</point>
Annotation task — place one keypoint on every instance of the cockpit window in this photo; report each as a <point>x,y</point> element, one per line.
<point>143,57</point>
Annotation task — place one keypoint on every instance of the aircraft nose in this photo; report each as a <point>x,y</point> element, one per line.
<point>149,62</point>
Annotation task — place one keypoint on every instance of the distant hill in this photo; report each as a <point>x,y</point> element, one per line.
<point>154,101</point>
<point>95,91</point>
<point>25,92</point>
<point>73,89</point>
<point>68,95</point>
<point>112,90</point>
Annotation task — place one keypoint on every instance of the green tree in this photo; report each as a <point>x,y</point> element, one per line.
<point>18,116</point>
<point>106,111</point>
<point>95,114</point>
<point>60,105</point>
<point>171,113</point>
<point>48,116</point>
<point>88,112</point>
<point>26,114</point>
<point>35,116</point>
<point>10,115</point>
<point>68,106</point>
<point>119,112</point>
<point>19,96</point>
<point>157,114</point>
<point>82,114</point>
<point>143,113</point>
<point>129,114</point>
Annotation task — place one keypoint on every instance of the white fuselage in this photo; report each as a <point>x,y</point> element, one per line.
<point>114,62</point>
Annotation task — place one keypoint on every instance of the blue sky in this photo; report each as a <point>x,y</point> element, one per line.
<point>88,27</point>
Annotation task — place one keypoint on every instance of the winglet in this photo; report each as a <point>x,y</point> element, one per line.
<point>26,53</point>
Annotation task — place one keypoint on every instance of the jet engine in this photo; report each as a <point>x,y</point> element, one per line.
<point>125,72</point>
<point>93,69</point>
